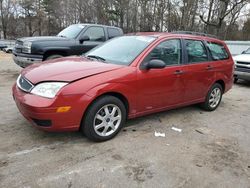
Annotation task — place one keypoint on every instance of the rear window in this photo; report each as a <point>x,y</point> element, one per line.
<point>217,51</point>
<point>113,33</point>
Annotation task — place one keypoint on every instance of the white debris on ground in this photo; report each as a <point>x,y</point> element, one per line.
<point>176,129</point>
<point>158,134</point>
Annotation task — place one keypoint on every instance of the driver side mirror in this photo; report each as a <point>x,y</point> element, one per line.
<point>155,64</point>
<point>84,38</point>
<point>243,52</point>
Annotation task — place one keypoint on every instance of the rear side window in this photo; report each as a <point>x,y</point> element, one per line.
<point>168,51</point>
<point>218,51</point>
<point>113,33</point>
<point>196,51</point>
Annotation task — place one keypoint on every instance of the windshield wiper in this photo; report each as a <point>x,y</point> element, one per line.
<point>96,57</point>
<point>62,36</point>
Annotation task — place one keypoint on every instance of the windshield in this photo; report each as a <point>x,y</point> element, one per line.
<point>71,31</point>
<point>121,50</point>
<point>247,51</point>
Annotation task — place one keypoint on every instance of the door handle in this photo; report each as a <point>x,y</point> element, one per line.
<point>178,72</point>
<point>209,67</point>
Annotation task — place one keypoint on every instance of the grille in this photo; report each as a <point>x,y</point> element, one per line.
<point>24,84</point>
<point>18,50</point>
<point>244,67</point>
<point>42,123</point>
<point>18,46</point>
<point>243,63</point>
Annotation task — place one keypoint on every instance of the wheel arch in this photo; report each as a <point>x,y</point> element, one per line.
<point>54,52</point>
<point>116,94</point>
<point>222,83</point>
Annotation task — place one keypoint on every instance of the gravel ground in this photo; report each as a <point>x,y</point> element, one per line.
<point>213,149</point>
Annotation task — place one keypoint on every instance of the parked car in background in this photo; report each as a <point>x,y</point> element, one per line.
<point>126,77</point>
<point>8,49</point>
<point>242,66</point>
<point>2,46</point>
<point>74,40</point>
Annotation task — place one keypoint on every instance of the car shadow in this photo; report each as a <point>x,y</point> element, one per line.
<point>158,116</point>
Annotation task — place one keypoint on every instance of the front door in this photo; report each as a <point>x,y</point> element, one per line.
<point>161,88</point>
<point>96,37</point>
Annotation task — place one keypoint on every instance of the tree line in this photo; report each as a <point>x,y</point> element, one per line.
<point>228,19</point>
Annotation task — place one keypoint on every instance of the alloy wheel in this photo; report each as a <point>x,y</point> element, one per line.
<point>107,120</point>
<point>215,97</point>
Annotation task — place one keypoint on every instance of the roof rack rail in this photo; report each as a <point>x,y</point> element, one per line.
<point>194,33</point>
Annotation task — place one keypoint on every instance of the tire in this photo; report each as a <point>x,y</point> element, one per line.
<point>235,80</point>
<point>53,56</point>
<point>210,104</point>
<point>100,113</point>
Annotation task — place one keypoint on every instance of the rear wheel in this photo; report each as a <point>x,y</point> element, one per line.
<point>54,56</point>
<point>104,119</point>
<point>213,98</point>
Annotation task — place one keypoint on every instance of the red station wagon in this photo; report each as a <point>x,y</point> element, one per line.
<point>126,77</point>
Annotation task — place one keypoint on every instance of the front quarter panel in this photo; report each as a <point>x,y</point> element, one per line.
<point>121,81</point>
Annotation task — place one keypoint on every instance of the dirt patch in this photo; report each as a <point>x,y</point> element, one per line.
<point>220,155</point>
<point>139,172</point>
<point>4,164</point>
<point>117,157</point>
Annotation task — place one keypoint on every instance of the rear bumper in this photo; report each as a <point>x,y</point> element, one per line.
<point>42,112</point>
<point>24,60</point>
<point>242,75</point>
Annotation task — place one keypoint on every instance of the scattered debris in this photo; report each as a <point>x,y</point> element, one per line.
<point>199,165</point>
<point>203,130</point>
<point>176,129</point>
<point>198,131</point>
<point>133,130</point>
<point>168,144</point>
<point>158,134</point>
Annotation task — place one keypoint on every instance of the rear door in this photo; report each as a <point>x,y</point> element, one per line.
<point>200,70</point>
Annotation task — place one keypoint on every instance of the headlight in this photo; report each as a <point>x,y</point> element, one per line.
<point>48,89</point>
<point>27,47</point>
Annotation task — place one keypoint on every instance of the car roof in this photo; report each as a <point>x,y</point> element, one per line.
<point>92,24</point>
<point>166,34</point>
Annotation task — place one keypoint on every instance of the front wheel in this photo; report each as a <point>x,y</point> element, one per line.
<point>213,98</point>
<point>104,119</point>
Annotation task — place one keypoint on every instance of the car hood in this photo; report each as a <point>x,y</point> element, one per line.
<point>242,57</point>
<point>43,39</point>
<point>66,69</point>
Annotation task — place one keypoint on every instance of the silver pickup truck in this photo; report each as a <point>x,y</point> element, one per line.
<point>242,66</point>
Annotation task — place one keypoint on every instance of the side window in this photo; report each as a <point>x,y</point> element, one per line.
<point>196,51</point>
<point>95,34</point>
<point>168,51</point>
<point>217,51</point>
<point>113,33</point>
